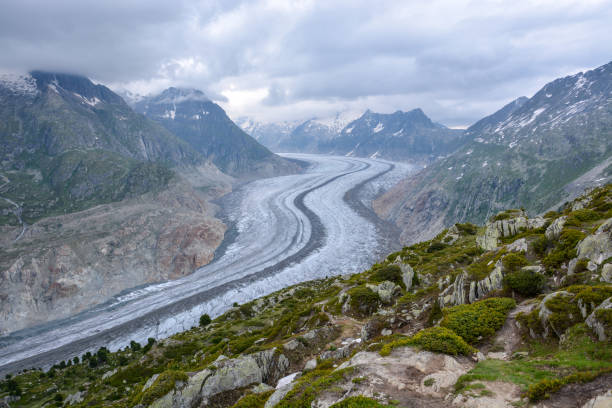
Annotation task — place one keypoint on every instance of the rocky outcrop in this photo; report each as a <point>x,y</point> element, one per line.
<point>479,289</point>
<point>227,375</point>
<point>407,272</point>
<point>597,320</point>
<point>544,312</point>
<point>456,293</point>
<point>554,229</point>
<point>597,247</point>
<point>606,273</point>
<point>386,291</point>
<point>494,230</point>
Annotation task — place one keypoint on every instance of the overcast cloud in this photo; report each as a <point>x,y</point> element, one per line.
<point>285,60</point>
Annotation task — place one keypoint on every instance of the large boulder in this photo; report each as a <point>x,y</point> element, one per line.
<point>606,273</point>
<point>227,375</point>
<point>597,247</point>
<point>407,272</point>
<point>599,320</point>
<point>517,222</point>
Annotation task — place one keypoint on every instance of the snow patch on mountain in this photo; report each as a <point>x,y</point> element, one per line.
<point>18,83</point>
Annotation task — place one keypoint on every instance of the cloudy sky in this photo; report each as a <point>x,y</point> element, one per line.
<point>287,60</point>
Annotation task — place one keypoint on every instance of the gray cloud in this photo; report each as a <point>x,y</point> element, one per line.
<point>278,59</point>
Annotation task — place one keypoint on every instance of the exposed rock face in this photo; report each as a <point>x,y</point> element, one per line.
<point>554,229</point>
<point>606,273</point>
<point>601,401</point>
<point>599,326</point>
<point>455,294</point>
<point>407,272</point>
<point>504,228</point>
<point>230,374</point>
<point>597,247</point>
<point>544,313</point>
<point>92,255</point>
<point>479,289</point>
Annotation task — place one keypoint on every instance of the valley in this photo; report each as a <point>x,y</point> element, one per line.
<point>283,230</point>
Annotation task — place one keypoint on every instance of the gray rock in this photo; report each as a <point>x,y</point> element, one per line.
<point>386,332</point>
<point>372,328</point>
<point>606,273</point>
<point>261,388</point>
<point>554,229</point>
<point>386,291</point>
<point>479,289</point>
<point>407,272</point>
<point>520,245</point>
<point>544,313</point>
<point>455,294</point>
<point>310,365</point>
<point>597,247</point>
<point>278,395</point>
<point>75,398</point>
<point>599,327</point>
<point>150,381</point>
<point>489,239</point>
<point>262,367</point>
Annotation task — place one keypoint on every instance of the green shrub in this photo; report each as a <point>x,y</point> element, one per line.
<point>253,400</point>
<point>436,246</point>
<point>359,402</point>
<point>478,320</point>
<point>565,249</point>
<point>514,261</point>
<point>391,273</point>
<point>542,389</point>
<point>205,320</point>
<point>468,228</point>
<point>540,245</point>
<point>581,265</point>
<point>162,385</point>
<point>364,301</point>
<point>436,339</point>
<point>526,283</point>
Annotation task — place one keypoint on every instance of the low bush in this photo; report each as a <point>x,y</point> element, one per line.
<point>514,261</point>
<point>542,389</point>
<point>359,402</point>
<point>540,245</point>
<point>526,283</point>
<point>205,320</point>
<point>468,228</point>
<point>436,246</point>
<point>253,400</point>
<point>479,320</point>
<point>364,301</point>
<point>440,340</point>
<point>391,273</point>
<point>565,248</point>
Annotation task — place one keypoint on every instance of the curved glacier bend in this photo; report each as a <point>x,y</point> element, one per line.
<point>289,229</point>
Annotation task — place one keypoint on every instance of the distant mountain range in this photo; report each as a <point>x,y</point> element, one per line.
<point>535,152</point>
<point>396,136</point>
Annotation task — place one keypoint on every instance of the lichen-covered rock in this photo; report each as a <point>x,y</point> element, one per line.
<point>554,229</point>
<point>451,236</point>
<point>407,272</point>
<point>600,320</point>
<point>386,291</point>
<point>494,230</point>
<point>597,247</point>
<point>606,273</point>
<point>372,328</point>
<point>229,374</point>
<point>479,289</point>
<point>520,245</point>
<point>600,401</point>
<point>544,312</point>
<point>455,294</point>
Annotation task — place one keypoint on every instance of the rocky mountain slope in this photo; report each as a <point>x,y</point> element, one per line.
<point>203,124</point>
<point>534,152</point>
<point>94,199</point>
<point>514,313</point>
